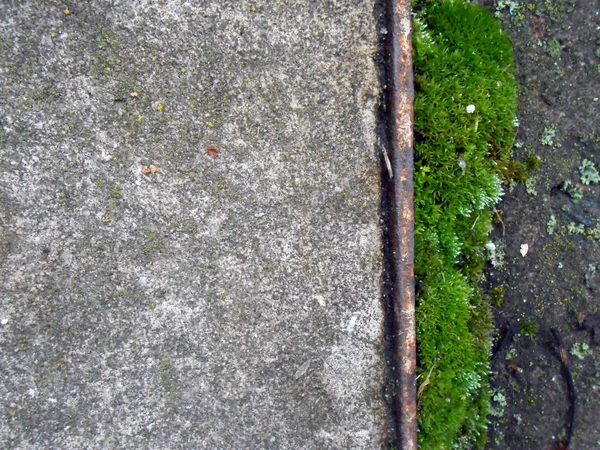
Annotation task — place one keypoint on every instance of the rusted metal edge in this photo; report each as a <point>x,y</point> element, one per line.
<point>402,219</point>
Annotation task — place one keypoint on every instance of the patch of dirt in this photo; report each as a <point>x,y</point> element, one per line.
<point>555,287</point>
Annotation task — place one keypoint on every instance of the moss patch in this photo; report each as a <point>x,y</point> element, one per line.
<point>465,103</point>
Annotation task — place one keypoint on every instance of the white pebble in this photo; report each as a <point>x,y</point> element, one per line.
<point>524,249</point>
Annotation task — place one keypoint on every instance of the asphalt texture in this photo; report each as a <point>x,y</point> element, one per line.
<point>190,251</point>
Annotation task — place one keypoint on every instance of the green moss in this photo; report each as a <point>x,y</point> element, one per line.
<point>532,162</point>
<point>116,191</point>
<point>512,170</point>
<point>153,245</point>
<point>465,104</point>
<point>529,328</point>
<point>497,296</point>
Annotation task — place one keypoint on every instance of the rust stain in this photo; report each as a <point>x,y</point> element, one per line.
<point>401,103</point>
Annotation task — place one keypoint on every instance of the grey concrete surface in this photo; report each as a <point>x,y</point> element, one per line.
<point>218,303</point>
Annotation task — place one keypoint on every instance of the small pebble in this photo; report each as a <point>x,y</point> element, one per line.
<point>524,249</point>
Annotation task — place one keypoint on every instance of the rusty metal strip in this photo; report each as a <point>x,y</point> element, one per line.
<point>401,103</point>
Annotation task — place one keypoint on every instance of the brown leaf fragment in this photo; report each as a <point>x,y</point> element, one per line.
<point>213,152</point>
<point>539,27</point>
<point>514,368</point>
<point>147,170</point>
<point>425,383</point>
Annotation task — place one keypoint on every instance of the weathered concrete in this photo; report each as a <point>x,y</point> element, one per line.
<point>219,303</point>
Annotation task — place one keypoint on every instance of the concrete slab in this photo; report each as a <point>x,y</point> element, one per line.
<point>227,302</point>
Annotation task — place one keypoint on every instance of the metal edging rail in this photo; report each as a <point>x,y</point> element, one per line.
<point>402,215</point>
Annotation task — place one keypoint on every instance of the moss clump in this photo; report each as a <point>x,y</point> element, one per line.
<point>532,162</point>
<point>116,191</point>
<point>497,296</point>
<point>465,103</point>
<point>529,328</point>
<point>513,170</point>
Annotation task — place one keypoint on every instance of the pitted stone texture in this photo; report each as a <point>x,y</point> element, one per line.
<point>219,303</point>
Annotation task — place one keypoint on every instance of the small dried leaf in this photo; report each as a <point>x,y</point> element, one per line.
<point>147,170</point>
<point>514,368</point>
<point>213,152</point>
<point>539,27</point>
<point>302,370</point>
<point>134,94</point>
<point>425,383</point>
